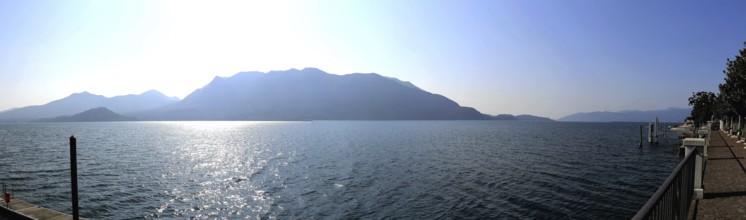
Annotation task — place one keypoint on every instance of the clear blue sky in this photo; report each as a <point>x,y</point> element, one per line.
<point>548,58</point>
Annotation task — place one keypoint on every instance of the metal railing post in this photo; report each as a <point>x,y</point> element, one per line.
<point>672,199</point>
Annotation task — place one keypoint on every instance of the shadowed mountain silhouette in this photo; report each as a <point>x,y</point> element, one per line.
<point>311,94</point>
<point>308,94</point>
<point>91,115</point>
<point>79,102</point>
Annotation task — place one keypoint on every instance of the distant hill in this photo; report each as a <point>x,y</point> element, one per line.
<point>509,117</point>
<point>92,115</point>
<point>311,94</point>
<point>133,103</point>
<point>667,115</point>
<point>79,102</point>
<point>504,117</point>
<point>532,118</point>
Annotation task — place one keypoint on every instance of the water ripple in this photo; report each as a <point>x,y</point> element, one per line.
<point>302,170</point>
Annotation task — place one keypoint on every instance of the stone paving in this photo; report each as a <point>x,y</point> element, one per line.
<point>724,180</point>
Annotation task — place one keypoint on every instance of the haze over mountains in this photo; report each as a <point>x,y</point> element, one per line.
<point>92,115</point>
<point>79,102</point>
<point>666,115</point>
<point>311,94</point>
<point>307,94</point>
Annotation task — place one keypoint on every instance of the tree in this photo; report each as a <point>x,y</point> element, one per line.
<point>703,106</point>
<point>722,109</point>
<point>733,90</point>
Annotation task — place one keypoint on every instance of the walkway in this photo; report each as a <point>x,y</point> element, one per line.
<point>724,180</point>
<point>30,211</point>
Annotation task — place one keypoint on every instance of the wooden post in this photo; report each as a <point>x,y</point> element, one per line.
<point>650,133</point>
<point>6,194</point>
<point>655,131</point>
<point>641,136</point>
<point>74,176</point>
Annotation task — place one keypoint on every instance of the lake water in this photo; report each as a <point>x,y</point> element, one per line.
<point>337,169</point>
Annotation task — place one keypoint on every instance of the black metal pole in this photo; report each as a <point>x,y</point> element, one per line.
<point>74,176</point>
<point>641,136</point>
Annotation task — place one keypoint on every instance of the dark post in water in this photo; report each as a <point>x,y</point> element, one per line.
<point>74,176</point>
<point>640,136</point>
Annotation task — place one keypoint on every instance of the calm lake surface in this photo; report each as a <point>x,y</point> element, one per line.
<point>337,169</point>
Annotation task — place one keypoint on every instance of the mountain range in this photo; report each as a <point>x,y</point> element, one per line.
<point>666,115</point>
<point>79,102</point>
<point>311,94</point>
<point>307,94</point>
<point>92,115</point>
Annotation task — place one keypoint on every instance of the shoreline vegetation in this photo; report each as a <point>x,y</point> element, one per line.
<point>730,101</point>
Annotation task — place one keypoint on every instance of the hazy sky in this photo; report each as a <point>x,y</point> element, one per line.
<point>549,58</point>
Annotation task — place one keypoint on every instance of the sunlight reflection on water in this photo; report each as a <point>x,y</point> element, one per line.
<point>400,169</point>
<point>229,167</point>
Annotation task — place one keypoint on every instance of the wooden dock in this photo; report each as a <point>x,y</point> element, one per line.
<point>724,180</point>
<point>19,209</point>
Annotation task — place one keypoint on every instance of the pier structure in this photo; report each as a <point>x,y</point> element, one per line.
<point>653,132</point>
<point>19,209</point>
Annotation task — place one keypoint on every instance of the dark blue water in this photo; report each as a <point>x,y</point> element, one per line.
<point>337,169</point>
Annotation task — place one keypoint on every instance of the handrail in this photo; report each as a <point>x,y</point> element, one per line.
<point>673,198</point>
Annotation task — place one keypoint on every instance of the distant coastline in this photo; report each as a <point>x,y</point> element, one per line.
<point>665,115</point>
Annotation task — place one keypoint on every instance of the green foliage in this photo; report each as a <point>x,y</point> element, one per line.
<point>733,92</point>
<point>722,108</point>
<point>703,106</point>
